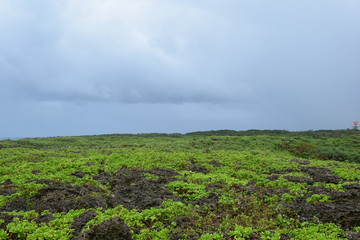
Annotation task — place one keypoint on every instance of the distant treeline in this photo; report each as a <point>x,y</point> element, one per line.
<point>225,132</point>
<point>252,132</point>
<point>255,132</point>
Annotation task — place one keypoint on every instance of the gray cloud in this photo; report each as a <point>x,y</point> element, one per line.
<point>292,63</point>
<point>98,54</point>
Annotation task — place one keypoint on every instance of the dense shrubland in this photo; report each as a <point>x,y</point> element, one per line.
<point>203,185</point>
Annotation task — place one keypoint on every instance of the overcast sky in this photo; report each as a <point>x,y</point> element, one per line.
<point>118,66</point>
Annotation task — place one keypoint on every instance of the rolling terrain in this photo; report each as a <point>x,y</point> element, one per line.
<point>202,185</point>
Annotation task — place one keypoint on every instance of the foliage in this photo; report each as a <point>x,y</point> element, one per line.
<point>318,198</point>
<point>230,184</point>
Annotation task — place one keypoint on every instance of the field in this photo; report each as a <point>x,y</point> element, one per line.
<point>202,185</point>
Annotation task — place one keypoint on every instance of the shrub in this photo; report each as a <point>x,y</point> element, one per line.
<point>330,153</point>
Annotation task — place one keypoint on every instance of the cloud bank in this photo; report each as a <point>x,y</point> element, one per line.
<point>277,59</point>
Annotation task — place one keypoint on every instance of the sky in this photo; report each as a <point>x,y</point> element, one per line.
<point>85,67</point>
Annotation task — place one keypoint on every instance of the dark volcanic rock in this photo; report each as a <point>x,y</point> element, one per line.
<point>80,222</point>
<point>254,236</point>
<point>320,190</point>
<point>198,168</point>
<point>19,204</point>
<point>7,182</point>
<point>182,222</point>
<point>321,174</point>
<point>301,162</point>
<point>282,171</point>
<point>42,181</point>
<point>355,186</point>
<point>214,186</point>
<point>129,188</point>
<point>344,208</point>
<point>7,188</point>
<point>62,197</point>
<point>44,218</point>
<point>273,177</point>
<point>78,174</point>
<point>7,218</point>
<point>164,175</point>
<point>215,163</point>
<point>352,235</point>
<point>36,172</point>
<point>103,178</point>
<point>132,190</point>
<point>211,199</point>
<point>261,192</point>
<point>299,179</point>
<point>285,237</point>
<point>111,229</point>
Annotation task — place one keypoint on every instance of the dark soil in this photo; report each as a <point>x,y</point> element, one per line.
<point>111,229</point>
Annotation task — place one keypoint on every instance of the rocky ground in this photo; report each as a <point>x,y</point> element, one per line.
<point>131,189</point>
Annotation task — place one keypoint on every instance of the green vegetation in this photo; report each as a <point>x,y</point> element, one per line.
<point>203,185</point>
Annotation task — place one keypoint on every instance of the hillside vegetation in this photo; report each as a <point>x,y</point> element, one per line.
<point>202,185</point>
